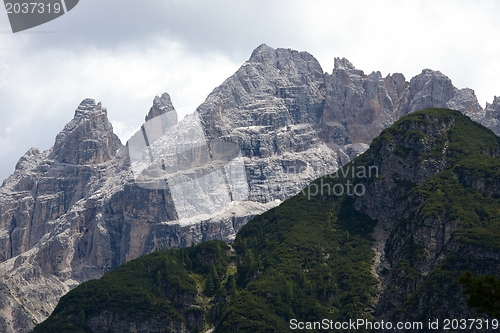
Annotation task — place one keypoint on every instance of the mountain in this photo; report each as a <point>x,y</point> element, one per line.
<point>491,118</point>
<point>89,204</point>
<point>384,239</point>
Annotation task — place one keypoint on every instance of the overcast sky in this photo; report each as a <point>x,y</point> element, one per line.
<point>124,52</point>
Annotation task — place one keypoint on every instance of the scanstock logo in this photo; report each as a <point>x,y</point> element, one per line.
<point>201,176</point>
<point>26,14</point>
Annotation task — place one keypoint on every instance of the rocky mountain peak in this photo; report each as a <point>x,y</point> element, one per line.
<point>428,74</point>
<point>428,71</point>
<point>495,106</point>
<point>430,89</point>
<point>343,63</point>
<point>88,138</point>
<point>27,156</point>
<point>290,62</point>
<point>466,101</point>
<point>261,52</point>
<point>161,117</point>
<point>491,116</point>
<point>88,107</point>
<point>161,105</point>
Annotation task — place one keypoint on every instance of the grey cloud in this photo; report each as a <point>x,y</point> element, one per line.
<point>39,132</point>
<point>232,27</point>
<point>103,25</point>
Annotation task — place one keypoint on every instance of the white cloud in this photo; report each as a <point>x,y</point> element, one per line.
<point>123,129</point>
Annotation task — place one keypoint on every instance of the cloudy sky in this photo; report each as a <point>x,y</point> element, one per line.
<point>124,52</point>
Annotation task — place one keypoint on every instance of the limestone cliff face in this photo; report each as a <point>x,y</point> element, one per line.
<point>358,106</point>
<point>89,204</point>
<point>45,209</point>
<point>161,105</point>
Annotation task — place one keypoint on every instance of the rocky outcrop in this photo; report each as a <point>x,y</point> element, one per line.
<point>73,212</point>
<point>87,139</point>
<point>358,106</point>
<point>491,117</point>
<point>162,105</point>
<point>113,322</point>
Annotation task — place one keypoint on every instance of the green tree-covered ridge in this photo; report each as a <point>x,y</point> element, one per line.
<point>312,257</point>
